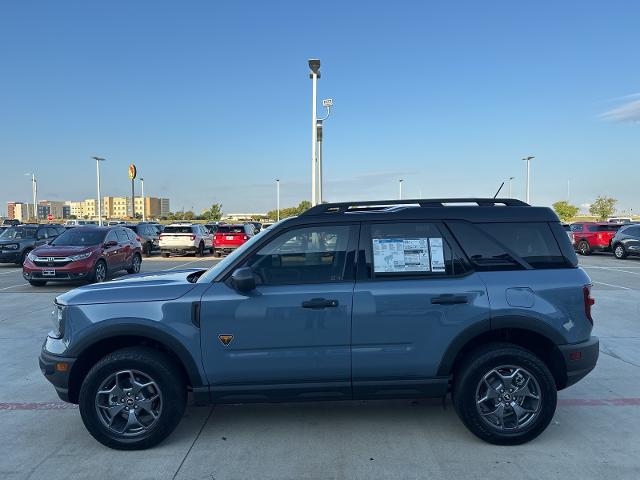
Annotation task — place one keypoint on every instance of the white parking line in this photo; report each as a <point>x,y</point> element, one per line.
<point>189,263</point>
<point>11,271</point>
<point>610,285</point>
<point>615,270</point>
<point>14,286</point>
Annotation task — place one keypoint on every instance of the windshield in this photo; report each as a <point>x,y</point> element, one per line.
<point>16,233</point>
<point>230,229</point>
<point>79,237</point>
<point>214,271</point>
<point>186,229</point>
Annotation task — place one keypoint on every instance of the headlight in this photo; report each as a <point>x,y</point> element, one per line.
<point>57,317</point>
<point>80,256</point>
<point>32,256</point>
<point>11,246</point>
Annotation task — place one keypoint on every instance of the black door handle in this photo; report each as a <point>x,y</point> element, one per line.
<point>317,303</point>
<point>449,300</point>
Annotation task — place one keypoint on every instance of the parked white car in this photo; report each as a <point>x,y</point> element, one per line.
<point>184,238</point>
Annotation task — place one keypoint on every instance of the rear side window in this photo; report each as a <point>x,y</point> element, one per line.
<point>604,228</point>
<point>406,250</point>
<point>186,229</point>
<point>510,246</point>
<point>576,227</point>
<point>122,236</point>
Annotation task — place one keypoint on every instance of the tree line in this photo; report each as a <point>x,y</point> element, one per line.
<point>603,208</point>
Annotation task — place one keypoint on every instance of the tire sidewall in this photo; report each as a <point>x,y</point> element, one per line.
<point>94,278</point>
<point>173,398</point>
<point>465,395</point>
<point>615,251</point>
<point>581,249</point>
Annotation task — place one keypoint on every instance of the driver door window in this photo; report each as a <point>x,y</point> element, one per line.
<point>303,256</point>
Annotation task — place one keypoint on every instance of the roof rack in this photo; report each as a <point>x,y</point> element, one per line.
<point>372,205</point>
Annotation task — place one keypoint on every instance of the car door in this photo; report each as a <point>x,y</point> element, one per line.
<point>413,297</point>
<point>126,248</point>
<point>290,337</point>
<point>112,253</point>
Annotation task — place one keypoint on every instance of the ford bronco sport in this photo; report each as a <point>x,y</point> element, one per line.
<point>480,298</point>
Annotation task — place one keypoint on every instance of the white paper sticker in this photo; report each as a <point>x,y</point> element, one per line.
<point>396,255</point>
<point>437,254</point>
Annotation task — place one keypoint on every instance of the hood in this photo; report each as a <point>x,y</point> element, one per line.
<point>62,250</point>
<point>145,287</point>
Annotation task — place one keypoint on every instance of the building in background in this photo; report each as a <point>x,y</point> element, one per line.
<point>48,207</point>
<point>120,207</point>
<point>75,208</point>
<point>11,210</point>
<point>22,211</point>
<point>164,207</point>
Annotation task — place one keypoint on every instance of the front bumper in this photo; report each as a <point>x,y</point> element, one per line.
<point>10,256</point>
<point>72,272</point>
<point>57,370</point>
<point>580,359</point>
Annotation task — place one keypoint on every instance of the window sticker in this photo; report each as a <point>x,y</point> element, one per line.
<point>397,255</point>
<point>437,254</point>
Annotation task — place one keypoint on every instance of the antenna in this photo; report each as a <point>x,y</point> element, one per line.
<point>501,185</point>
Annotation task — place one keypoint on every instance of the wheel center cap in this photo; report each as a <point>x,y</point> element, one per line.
<point>130,402</point>
<point>507,397</point>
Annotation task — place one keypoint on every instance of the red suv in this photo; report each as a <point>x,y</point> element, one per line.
<point>84,253</point>
<point>229,237</point>
<point>593,236</point>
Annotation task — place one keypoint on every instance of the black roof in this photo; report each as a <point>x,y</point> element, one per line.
<point>470,209</point>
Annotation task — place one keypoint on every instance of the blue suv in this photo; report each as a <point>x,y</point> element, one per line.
<point>480,298</point>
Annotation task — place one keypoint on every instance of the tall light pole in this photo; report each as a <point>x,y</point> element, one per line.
<point>98,160</point>
<point>277,199</point>
<point>144,218</point>
<point>314,65</point>
<point>510,191</point>
<point>400,187</point>
<point>528,160</point>
<point>34,192</point>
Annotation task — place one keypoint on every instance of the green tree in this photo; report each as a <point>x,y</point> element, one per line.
<point>565,210</point>
<point>603,207</point>
<point>213,214</point>
<point>188,215</point>
<point>290,211</point>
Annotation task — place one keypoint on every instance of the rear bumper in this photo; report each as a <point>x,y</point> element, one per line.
<point>579,359</point>
<point>50,366</point>
<point>178,249</point>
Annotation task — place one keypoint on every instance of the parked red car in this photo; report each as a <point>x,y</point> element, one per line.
<point>593,236</point>
<point>84,253</point>
<point>229,237</point>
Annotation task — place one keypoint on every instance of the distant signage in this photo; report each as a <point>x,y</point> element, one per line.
<point>132,171</point>
<point>49,217</point>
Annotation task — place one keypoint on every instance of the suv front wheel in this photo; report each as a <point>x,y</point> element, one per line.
<point>133,398</point>
<point>504,394</point>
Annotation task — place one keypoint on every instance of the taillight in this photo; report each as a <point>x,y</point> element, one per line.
<point>137,238</point>
<point>161,235</point>
<point>588,302</point>
<point>193,237</point>
<point>245,237</point>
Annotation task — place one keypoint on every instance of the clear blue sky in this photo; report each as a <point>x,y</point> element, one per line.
<point>211,100</point>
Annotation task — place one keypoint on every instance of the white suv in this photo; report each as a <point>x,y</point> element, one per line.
<point>183,238</point>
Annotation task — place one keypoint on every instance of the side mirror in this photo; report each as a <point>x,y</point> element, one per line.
<point>243,279</point>
<point>110,243</point>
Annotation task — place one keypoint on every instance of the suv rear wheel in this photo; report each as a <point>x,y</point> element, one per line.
<point>504,394</point>
<point>583,247</point>
<point>133,398</point>
<point>136,262</point>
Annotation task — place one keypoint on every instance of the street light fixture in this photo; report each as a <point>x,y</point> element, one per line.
<point>144,218</point>
<point>314,66</point>
<point>277,199</point>
<point>528,160</point>
<point>98,160</point>
<point>34,191</point>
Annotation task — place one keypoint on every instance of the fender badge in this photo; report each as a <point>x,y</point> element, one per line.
<point>225,339</point>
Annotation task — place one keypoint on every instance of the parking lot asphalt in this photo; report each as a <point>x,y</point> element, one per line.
<point>594,434</point>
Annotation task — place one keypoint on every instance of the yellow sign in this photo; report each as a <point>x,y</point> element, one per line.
<point>132,171</point>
